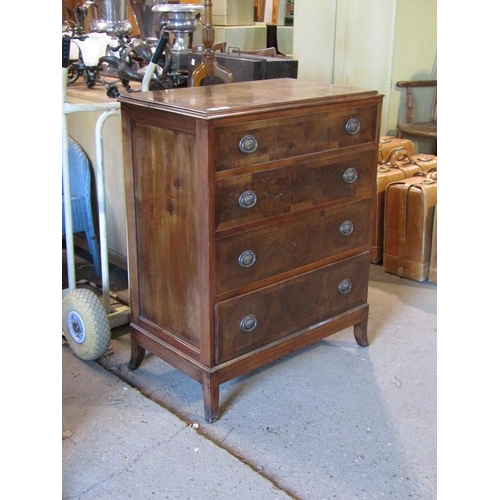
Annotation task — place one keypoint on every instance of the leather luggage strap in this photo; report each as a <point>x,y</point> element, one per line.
<point>403,207</point>
<point>403,214</point>
<point>399,160</point>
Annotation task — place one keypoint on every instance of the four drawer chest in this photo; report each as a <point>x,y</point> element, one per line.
<point>249,212</point>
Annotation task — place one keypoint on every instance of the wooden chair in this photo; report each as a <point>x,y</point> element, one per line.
<point>427,129</point>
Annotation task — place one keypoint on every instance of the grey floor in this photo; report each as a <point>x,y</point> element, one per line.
<point>333,421</point>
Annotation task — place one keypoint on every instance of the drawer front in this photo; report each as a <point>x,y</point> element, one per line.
<point>275,139</point>
<point>259,318</point>
<point>246,198</point>
<point>263,252</point>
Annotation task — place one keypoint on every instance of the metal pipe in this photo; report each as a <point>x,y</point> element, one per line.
<point>101,204</point>
<point>68,108</point>
<point>153,64</point>
<point>68,222</point>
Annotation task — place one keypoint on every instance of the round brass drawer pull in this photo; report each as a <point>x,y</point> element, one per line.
<point>353,126</point>
<point>248,144</point>
<point>345,287</point>
<point>248,323</point>
<point>346,228</point>
<point>248,199</point>
<point>247,259</point>
<point>350,175</point>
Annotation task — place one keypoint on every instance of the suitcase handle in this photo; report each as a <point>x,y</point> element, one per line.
<point>399,154</point>
<point>395,155</point>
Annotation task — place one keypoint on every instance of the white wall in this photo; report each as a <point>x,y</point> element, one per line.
<point>243,37</point>
<point>314,39</point>
<point>232,12</point>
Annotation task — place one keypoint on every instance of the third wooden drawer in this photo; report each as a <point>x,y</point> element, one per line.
<point>271,249</point>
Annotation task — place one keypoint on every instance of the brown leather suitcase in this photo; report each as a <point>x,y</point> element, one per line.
<point>433,273</point>
<point>388,143</point>
<point>424,162</point>
<point>399,166</point>
<point>409,215</point>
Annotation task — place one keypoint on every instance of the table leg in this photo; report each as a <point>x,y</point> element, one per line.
<point>136,354</point>
<point>211,397</point>
<point>361,329</point>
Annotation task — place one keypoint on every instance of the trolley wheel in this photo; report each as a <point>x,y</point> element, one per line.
<point>85,324</point>
<point>73,74</point>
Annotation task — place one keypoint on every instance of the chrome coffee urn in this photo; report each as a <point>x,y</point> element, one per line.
<point>111,17</point>
<point>179,21</point>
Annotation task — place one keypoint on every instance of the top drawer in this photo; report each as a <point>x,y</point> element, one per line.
<point>262,141</point>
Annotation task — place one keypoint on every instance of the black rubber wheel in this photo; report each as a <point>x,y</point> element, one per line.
<point>85,324</point>
<point>73,74</point>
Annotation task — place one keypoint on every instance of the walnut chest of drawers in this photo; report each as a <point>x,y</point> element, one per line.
<point>248,211</point>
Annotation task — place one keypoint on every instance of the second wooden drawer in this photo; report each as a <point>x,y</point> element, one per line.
<point>246,198</point>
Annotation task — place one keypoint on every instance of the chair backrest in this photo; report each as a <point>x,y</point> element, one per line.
<point>79,169</point>
<point>410,86</point>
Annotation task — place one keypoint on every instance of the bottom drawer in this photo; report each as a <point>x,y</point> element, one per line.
<point>258,318</point>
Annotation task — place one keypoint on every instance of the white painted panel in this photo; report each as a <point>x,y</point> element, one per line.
<point>314,38</point>
<point>232,12</point>
<point>285,39</point>
<point>244,37</point>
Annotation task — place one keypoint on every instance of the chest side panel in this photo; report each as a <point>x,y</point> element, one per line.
<point>167,236</point>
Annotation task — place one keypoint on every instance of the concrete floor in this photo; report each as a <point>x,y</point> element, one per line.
<point>333,421</point>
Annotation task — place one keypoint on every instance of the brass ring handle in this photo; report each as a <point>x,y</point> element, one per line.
<point>247,258</point>
<point>350,175</point>
<point>248,323</point>
<point>346,228</point>
<point>352,127</point>
<point>248,199</point>
<point>344,287</point>
<point>248,144</point>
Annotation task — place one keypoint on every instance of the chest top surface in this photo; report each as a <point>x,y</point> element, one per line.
<point>218,101</point>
